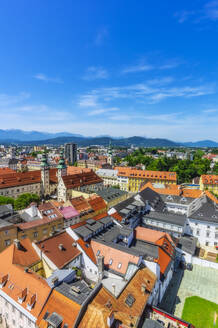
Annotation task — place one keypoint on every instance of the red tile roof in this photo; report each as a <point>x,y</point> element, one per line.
<point>25,255</point>
<point>131,172</point>
<point>18,281</point>
<point>61,305</point>
<point>210,179</point>
<point>97,203</point>
<point>80,204</point>
<point>105,304</point>
<point>6,170</point>
<point>25,178</point>
<point>59,255</point>
<point>115,255</point>
<point>81,179</point>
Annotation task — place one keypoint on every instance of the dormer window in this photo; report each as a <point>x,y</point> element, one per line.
<point>3,280</point>
<point>119,265</point>
<point>31,302</point>
<point>98,252</point>
<point>22,296</point>
<point>110,261</point>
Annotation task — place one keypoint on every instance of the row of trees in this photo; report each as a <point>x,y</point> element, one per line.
<point>186,169</point>
<point>21,202</point>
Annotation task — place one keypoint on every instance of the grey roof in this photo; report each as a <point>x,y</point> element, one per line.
<point>106,220</point>
<point>153,198</point>
<point>174,199</point>
<point>6,210</point>
<point>188,244</point>
<point>113,232</point>
<point>4,224</point>
<point>78,291</point>
<point>151,324</point>
<point>167,217</point>
<point>83,231</point>
<point>207,212</point>
<point>109,194</point>
<point>55,320</point>
<point>107,173</point>
<point>96,226</point>
<point>125,207</point>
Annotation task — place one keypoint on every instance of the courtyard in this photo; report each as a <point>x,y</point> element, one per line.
<point>201,281</point>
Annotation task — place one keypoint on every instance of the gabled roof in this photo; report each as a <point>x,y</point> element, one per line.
<point>59,249</point>
<point>25,178</point>
<point>120,259</point>
<point>127,307</point>
<point>143,174</point>
<point>19,283</point>
<point>209,179</point>
<point>81,179</point>
<point>67,309</point>
<point>25,255</point>
<point>97,203</point>
<point>80,204</point>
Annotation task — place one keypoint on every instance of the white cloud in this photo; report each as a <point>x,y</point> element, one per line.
<point>145,92</point>
<point>45,78</point>
<point>95,73</point>
<point>8,100</point>
<point>137,68</point>
<point>102,111</point>
<point>88,100</point>
<point>210,110</point>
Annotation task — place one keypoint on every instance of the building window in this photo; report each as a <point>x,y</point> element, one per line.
<point>6,232</point>
<point>7,242</point>
<point>35,234</point>
<point>98,252</point>
<point>208,227</point>
<point>110,262</point>
<point>45,231</point>
<point>208,234</point>
<point>197,232</point>
<point>119,265</point>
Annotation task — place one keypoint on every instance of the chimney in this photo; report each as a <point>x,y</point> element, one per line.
<point>100,264</point>
<point>61,247</point>
<point>34,210</point>
<point>17,243</point>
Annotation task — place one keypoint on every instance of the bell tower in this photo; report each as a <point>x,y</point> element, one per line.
<point>62,168</point>
<point>45,175</point>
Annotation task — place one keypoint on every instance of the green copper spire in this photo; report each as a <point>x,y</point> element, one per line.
<point>44,162</point>
<point>61,163</point>
<point>110,148</point>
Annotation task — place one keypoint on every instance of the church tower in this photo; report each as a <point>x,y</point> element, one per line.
<point>62,168</point>
<point>110,155</point>
<point>62,171</point>
<point>45,176</point>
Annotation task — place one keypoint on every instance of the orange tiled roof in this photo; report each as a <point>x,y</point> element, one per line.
<point>117,216</point>
<point>80,204</point>
<point>131,172</point>
<point>18,282</point>
<point>81,179</point>
<point>25,178</point>
<point>87,249</point>
<point>104,303</point>
<point>97,203</point>
<point>25,255</point>
<point>6,170</point>
<point>61,305</point>
<point>60,257</point>
<point>116,255</point>
<point>209,179</point>
<point>161,239</point>
<point>193,193</point>
<point>75,170</point>
<point>211,196</point>
<point>47,217</point>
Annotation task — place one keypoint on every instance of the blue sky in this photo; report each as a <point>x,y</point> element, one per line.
<point>117,67</point>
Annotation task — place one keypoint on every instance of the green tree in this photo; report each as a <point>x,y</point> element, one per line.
<point>6,200</point>
<point>25,200</point>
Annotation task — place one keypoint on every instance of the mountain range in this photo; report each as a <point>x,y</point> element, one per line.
<point>35,137</point>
